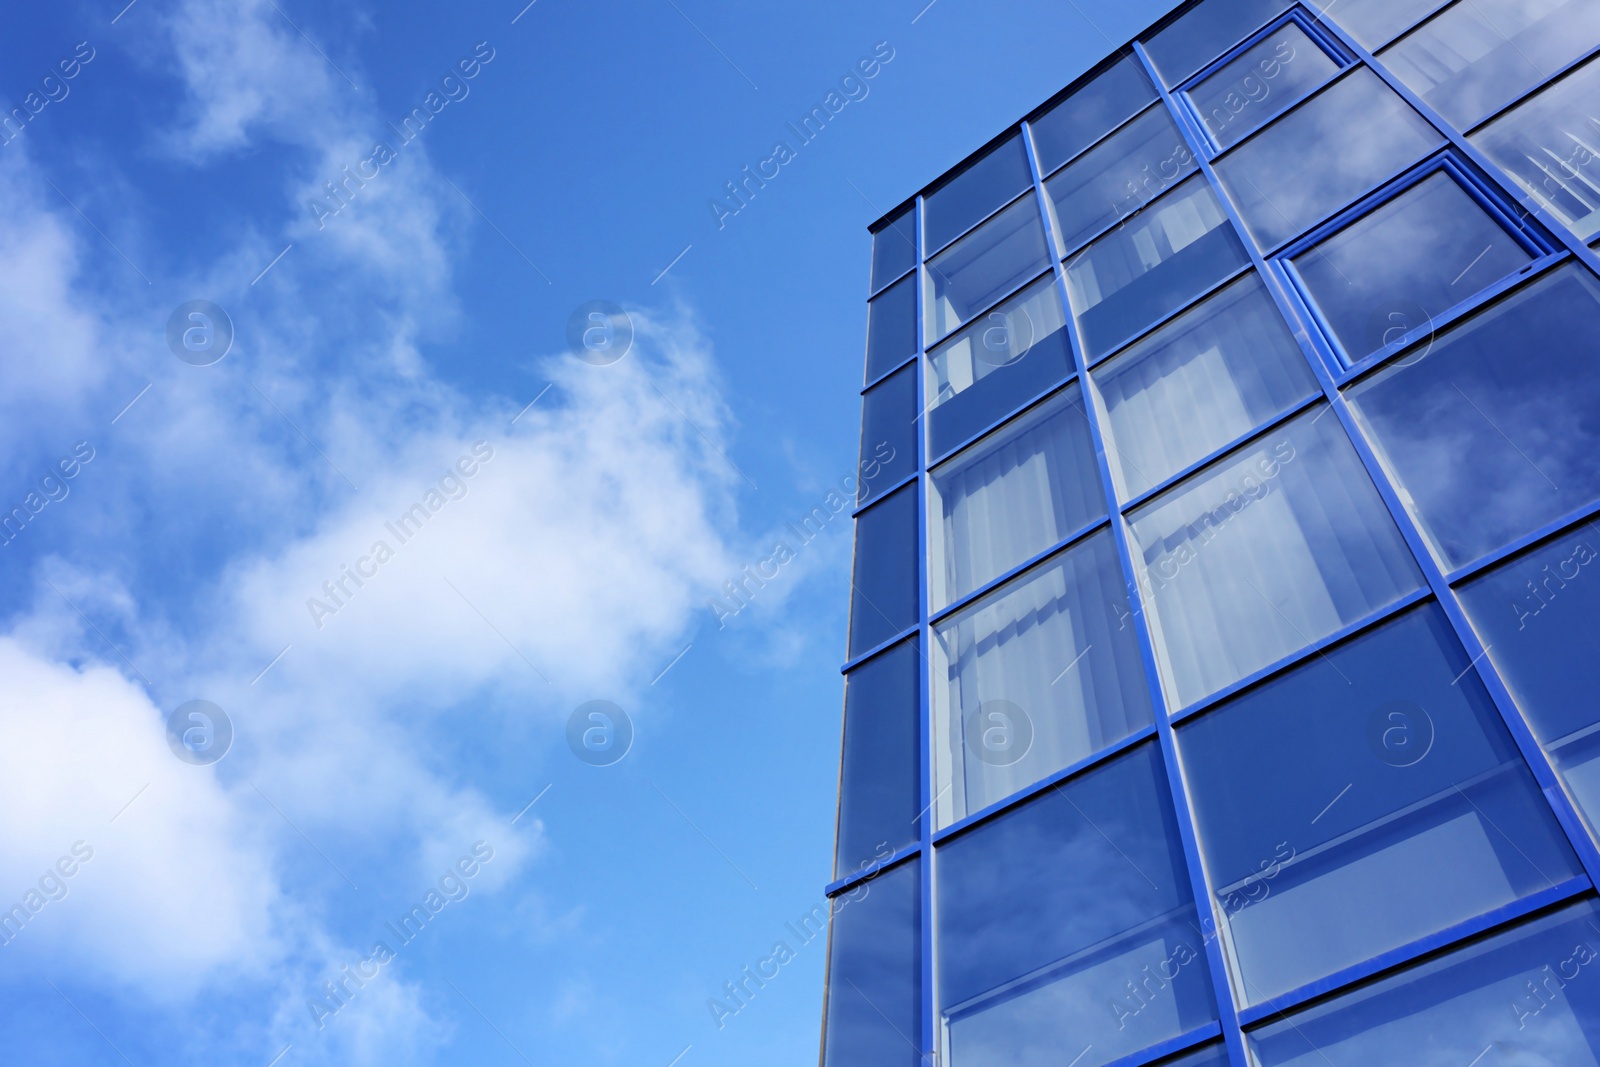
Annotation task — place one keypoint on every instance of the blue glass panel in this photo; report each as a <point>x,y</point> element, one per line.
<point>1527,998</point>
<point>891,328</point>
<point>1012,495</point>
<point>879,780</point>
<point>1034,677</point>
<point>985,372</point>
<point>894,248</point>
<point>1267,79</point>
<point>1091,112</point>
<point>883,599</point>
<point>1157,261</point>
<point>1491,428</point>
<point>1475,58</point>
<point>1539,616</point>
<point>1415,257</point>
<point>985,265</point>
<point>1550,145</point>
<point>1278,544</point>
<point>888,433</point>
<point>1066,927</point>
<point>959,203</point>
<point>874,1012</point>
<point>1119,176</point>
<point>1210,1056</point>
<point>1323,155</point>
<point>1207,31</point>
<point>1374,23</point>
<point>1209,377</point>
<point>1367,799</point>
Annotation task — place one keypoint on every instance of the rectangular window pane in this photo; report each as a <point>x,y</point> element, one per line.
<point>891,328</point>
<point>985,372</point>
<point>1374,23</point>
<point>1211,1056</point>
<point>1539,616</point>
<point>1066,927</point>
<point>1091,112</point>
<point>1119,176</point>
<point>1209,377</point>
<point>1490,428</point>
<point>985,265</point>
<point>1156,262</point>
<point>1207,31</point>
<point>888,433</point>
<point>1034,677</point>
<point>1272,548</point>
<point>1012,495</point>
<point>1284,68</point>
<point>883,599</point>
<point>879,777</point>
<point>1550,145</point>
<point>1000,175</point>
<point>1405,263</point>
<point>1527,996</point>
<point>894,248</point>
<point>1365,800</point>
<point>874,1011</point>
<point>1476,57</point>
<point>1324,155</point>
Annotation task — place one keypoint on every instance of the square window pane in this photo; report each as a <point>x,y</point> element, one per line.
<point>888,433</point>
<point>874,1011</point>
<point>985,372</point>
<point>969,196</point>
<point>1271,76</point>
<point>1405,263</point>
<point>1475,58</point>
<point>1374,23</point>
<point>1209,377</point>
<point>1033,678</point>
<point>1365,800</point>
<point>1323,155</point>
<point>984,266</point>
<point>1066,927</point>
<point>1539,616</point>
<point>894,248</point>
<point>1091,112</point>
<point>1207,31</point>
<point>1262,553</point>
<point>1523,997</point>
<point>1012,495</point>
<point>1550,145</point>
<point>880,774</point>
<point>1153,264</point>
<point>883,600</point>
<point>891,328</point>
<point>1119,176</point>
<point>1490,430</point>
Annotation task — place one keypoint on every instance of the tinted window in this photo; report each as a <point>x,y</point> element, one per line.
<point>1415,257</point>
<point>1374,23</point>
<point>879,790</point>
<point>1272,75</point>
<point>1083,892</point>
<point>1156,262</point>
<point>1091,112</point>
<point>892,328</point>
<point>1207,378</point>
<point>976,191</point>
<point>1491,429</point>
<point>883,599</point>
<point>894,248</point>
<point>1207,31</point>
<point>1323,155</point>
<point>1119,176</point>
<point>1367,799</point>
<point>888,433</point>
<point>874,1012</point>
<point>984,266</point>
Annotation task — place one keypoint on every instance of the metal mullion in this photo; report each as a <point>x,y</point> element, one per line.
<point>1318,355</point>
<point>1221,986</point>
<point>928,1036</point>
<point>878,649</point>
<point>871,871</point>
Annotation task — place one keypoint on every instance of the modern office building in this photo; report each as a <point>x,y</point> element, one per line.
<point>1223,682</point>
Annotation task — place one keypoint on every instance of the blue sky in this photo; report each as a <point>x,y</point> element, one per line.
<point>380,352</point>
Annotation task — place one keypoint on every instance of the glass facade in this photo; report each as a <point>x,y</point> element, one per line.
<point>1222,678</point>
